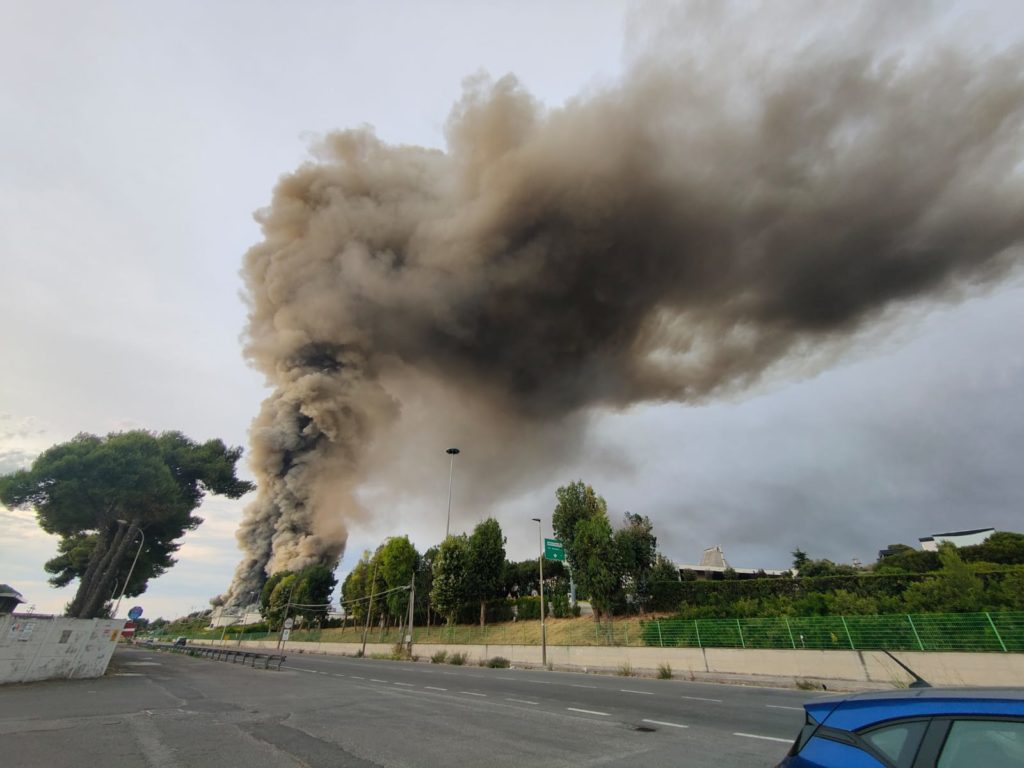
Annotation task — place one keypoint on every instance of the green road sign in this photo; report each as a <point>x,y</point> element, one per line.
<point>553,550</point>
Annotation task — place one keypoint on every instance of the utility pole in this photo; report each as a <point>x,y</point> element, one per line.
<point>287,608</point>
<point>412,602</point>
<point>543,627</point>
<point>369,609</point>
<point>453,452</point>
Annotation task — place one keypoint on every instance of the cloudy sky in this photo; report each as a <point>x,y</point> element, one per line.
<point>136,144</point>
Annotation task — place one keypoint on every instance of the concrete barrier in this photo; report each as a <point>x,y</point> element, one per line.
<point>782,666</point>
<point>48,647</point>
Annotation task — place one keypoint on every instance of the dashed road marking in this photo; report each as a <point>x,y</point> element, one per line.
<point>337,675</point>
<point>577,685</point>
<point>302,669</point>
<point>409,685</point>
<point>523,701</point>
<point>434,688</point>
<point>779,706</point>
<point>662,722</point>
<point>588,711</point>
<point>357,677</point>
<point>766,738</point>
<point>470,693</point>
<point>375,680</point>
<point>701,698</point>
<point>642,693</point>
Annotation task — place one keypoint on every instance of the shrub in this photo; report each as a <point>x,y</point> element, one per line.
<point>439,657</point>
<point>664,671</point>
<point>458,659</point>
<point>498,662</point>
<point>625,669</point>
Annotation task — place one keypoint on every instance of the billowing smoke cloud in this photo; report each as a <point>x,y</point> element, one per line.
<point>721,212</point>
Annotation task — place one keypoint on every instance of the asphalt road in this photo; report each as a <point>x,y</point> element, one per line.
<point>165,710</point>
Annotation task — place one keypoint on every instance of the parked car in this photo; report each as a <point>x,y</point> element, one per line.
<point>914,728</point>
<point>180,640</point>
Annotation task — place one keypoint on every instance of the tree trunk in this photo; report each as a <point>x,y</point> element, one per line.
<point>109,570</point>
<point>98,553</point>
<point>483,612</point>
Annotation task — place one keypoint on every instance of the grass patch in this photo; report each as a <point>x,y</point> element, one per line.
<point>807,685</point>
<point>498,662</point>
<point>625,669</point>
<point>664,671</point>
<point>440,657</point>
<point>458,659</point>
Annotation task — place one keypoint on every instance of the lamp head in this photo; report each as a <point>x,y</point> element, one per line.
<point>453,451</point>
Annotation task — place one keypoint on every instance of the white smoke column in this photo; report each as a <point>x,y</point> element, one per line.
<point>722,211</point>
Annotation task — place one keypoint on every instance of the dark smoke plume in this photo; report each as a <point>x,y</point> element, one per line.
<point>721,212</point>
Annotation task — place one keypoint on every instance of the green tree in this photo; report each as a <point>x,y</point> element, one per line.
<point>666,585</point>
<point>101,495</point>
<point>636,549</point>
<point>397,564</point>
<point>800,559</point>
<point>580,521</point>
<point>955,589</point>
<point>486,562</point>
<point>451,571</point>
<point>1001,547</point>
<point>599,573</point>
<point>313,589</point>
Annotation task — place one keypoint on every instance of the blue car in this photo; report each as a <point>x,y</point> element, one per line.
<point>914,728</point>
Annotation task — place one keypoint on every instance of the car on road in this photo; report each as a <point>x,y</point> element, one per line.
<point>913,728</point>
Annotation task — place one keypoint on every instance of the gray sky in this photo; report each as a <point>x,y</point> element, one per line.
<point>136,144</point>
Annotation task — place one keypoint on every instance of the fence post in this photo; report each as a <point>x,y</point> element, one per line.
<point>661,640</point>
<point>993,625</point>
<point>696,628</point>
<point>625,632</point>
<point>740,628</point>
<point>916,636</point>
<point>848,635</point>
<point>790,630</point>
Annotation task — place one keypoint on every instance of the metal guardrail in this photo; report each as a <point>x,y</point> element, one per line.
<point>218,653</point>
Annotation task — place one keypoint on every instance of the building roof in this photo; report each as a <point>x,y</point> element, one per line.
<point>957,533</point>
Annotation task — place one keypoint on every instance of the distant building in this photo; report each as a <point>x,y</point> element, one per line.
<point>230,617</point>
<point>9,599</point>
<point>956,538</point>
<point>713,566</point>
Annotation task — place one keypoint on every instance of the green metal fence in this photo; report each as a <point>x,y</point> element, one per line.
<point>998,632</point>
<point>1002,632</point>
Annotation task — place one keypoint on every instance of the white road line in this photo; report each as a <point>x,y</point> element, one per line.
<point>576,685</point>
<point>588,711</point>
<point>642,693</point>
<point>301,669</point>
<point>662,722</point>
<point>375,680</point>
<point>357,677</point>
<point>410,685</point>
<point>700,698</point>
<point>539,682</point>
<point>779,706</point>
<point>434,688</point>
<point>470,693</point>
<point>337,675</point>
<point>766,738</point>
<point>523,701</point>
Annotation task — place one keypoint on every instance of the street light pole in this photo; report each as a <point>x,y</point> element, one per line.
<point>453,452</point>
<point>138,552</point>
<point>543,626</point>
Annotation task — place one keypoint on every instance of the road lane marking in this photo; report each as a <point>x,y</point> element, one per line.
<point>435,688</point>
<point>357,677</point>
<point>779,706</point>
<point>576,685</point>
<point>662,722</point>
<point>766,738</point>
<point>410,685</point>
<point>539,682</point>
<point>588,711</point>
<point>375,680</point>
<point>523,701</point>
<point>302,669</point>
<point>642,693</point>
<point>337,675</point>
<point>700,698</point>
<point>470,693</point>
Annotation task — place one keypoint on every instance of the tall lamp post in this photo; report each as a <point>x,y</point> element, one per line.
<point>543,626</point>
<point>453,452</point>
<point>138,552</point>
